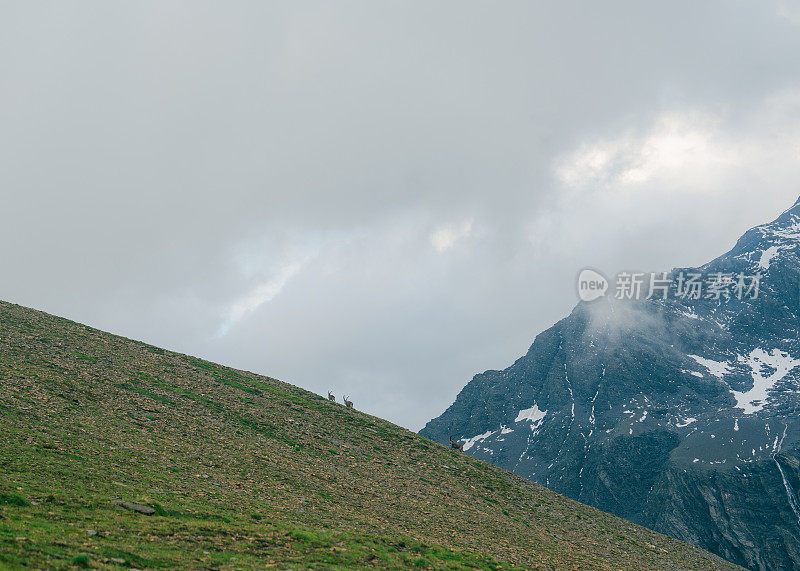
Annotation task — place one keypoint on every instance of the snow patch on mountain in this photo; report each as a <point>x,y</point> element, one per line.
<point>767,256</point>
<point>533,414</point>
<point>753,400</point>
<point>716,368</point>
<point>470,442</point>
<point>689,312</point>
<point>790,232</point>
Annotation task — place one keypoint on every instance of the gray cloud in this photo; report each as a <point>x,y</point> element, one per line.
<point>378,199</point>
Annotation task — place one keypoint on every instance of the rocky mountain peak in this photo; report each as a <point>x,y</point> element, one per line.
<point>677,412</point>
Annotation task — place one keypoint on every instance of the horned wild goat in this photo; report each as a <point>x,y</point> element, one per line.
<point>348,403</point>
<point>456,445</point>
<point>331,397</point>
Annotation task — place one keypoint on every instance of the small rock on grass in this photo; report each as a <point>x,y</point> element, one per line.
<point>146,510</point>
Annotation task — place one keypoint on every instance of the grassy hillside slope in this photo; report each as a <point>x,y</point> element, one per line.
<point>245,471</point>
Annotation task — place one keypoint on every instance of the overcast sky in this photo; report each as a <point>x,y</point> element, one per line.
<point>378,198</point>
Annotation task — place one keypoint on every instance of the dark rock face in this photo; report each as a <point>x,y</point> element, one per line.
<point>678,414</point>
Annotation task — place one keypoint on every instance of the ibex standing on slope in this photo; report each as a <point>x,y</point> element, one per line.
<point>331,397</point>
<point>456,445</point>
<point>348,403</point>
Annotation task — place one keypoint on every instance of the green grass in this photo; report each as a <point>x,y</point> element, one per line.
<point>246,472</point>
<point>59,537</point>
<point>12,500</point>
